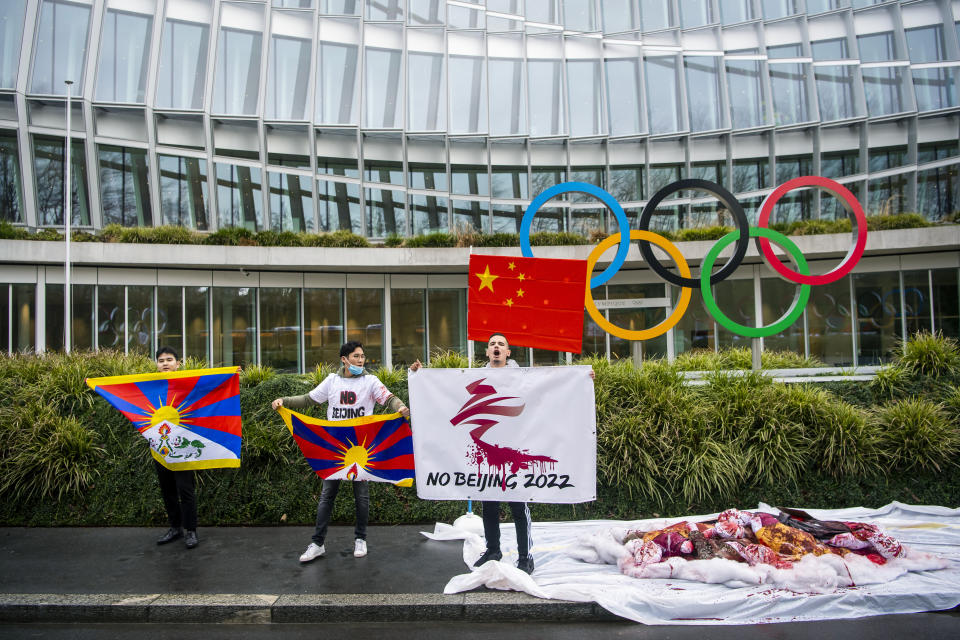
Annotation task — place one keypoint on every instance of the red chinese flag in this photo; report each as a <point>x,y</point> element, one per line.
<point>534,302</point>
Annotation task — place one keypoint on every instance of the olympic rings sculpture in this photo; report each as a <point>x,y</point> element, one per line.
<point>761,234</point>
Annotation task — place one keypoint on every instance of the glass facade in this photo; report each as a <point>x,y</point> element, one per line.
<point>402,118</point>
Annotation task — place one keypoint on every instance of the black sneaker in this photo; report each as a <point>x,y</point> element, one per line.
<point>488,555</point>
<point>191,539</point>
<point>525,563</point>
<point>172,534</point>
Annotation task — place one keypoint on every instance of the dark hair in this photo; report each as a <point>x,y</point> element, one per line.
<point>349,347</point>
<point>170,350</point>
<point>497,333</point>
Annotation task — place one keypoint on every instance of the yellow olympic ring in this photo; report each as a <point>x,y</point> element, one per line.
<point>672,319</point>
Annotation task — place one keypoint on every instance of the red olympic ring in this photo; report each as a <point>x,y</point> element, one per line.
<point>854,210</point>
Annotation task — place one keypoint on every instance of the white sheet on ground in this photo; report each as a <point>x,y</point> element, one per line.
<point>570,565</point>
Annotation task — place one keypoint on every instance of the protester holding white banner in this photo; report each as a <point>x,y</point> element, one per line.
<point>461,453</point>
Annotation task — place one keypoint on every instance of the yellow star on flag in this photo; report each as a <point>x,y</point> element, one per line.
<point>509,302</point>
<point>520,293</point>
<point>522,277</point>
<point>511,266</point>
<point>486,279</point>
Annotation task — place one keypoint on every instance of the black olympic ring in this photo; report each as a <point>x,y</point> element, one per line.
<point>727,199</point>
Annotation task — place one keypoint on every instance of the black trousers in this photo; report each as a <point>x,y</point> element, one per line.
<point>328,495</point>
<point>521,519</point>
<point>179,492</point>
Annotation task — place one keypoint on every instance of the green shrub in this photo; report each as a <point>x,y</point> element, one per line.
<point>255,374</point>
<point>319,374</point>
<point>498,240</point>
<point>916,434</point>
<point>788,360</point>
<point>557,239</point>
<point>51,235</point>
<point>448,359</point>
<point>269,238</point>
<point>433,240</point>
<point>701,233</point>
<point>930,354</point>
<point>393,240</point>
<point>344,238</point>
<point>890,381</point>
<point>897,221</point>
<point>10,232</point>
<point>231,237</point>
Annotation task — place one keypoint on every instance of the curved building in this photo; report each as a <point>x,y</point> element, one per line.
<point>402,117</point>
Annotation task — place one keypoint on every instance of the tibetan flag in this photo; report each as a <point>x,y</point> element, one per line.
<point>534,302</point>
<point>190,418</point>
<point>376,448</point>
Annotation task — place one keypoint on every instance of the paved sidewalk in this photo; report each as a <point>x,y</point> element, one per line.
<point>246,574</point>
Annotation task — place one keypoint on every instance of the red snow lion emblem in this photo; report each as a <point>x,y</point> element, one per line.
<point>478,409</point>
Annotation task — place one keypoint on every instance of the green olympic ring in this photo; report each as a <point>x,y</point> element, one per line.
<point>799,300</point>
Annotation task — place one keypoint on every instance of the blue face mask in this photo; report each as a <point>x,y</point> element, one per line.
<point>355,370</point>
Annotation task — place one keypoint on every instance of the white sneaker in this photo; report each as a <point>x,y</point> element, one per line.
<point>312,552</point>
<point>359,548</point>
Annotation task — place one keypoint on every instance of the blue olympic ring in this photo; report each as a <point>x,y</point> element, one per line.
<point>527,252</point>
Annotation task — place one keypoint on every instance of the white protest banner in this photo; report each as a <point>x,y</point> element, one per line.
<point>513,434</point>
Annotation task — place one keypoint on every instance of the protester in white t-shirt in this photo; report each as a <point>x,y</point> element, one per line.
<point>349,393</point>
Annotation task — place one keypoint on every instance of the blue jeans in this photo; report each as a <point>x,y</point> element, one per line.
<point>361,496</point>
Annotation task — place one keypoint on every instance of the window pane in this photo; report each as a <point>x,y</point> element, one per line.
<point>110,325</point>
<point>663,94</point>
<point>656,14</point>
<point>584,102</point>
<point>624,96</point>
<point>508,107</point>
<point>840,164</point>
<point>427,214</point>
<point>703,92</point>
<point>291,202</point>
<point>938,192</point>
<point>234,326</point>
<point>384,10</point>
<point>747,94</point>
<point>626,183</point>
<point>619,15</point>
<point>170,318</point>
<point>750,174</point>
<point>468,94</point>
<point>469,180</point>
<point>342,7</point>
<point>183,65</point>
<point>11,33</point>
<point>339,206</point>
<point>236,86</point>
<point>637,320</point>
<point>832,49</point>
<point>425,12</point>
<point>427,105</point>
<point>238,196</point>
<point>733,11</point>
<point>542,11</point>
<point>506,218</point>
<point>926,44</point>
<point>916,298</point>
<point>140,319</point>
<point>288,79</point>
<point>53,314</point>
<point>470,215</point>
<point>280,329</point>
<point>183,191</point>
<point>48,174</point>
<point>198,331</point>
<point>778,8</point>
<point>428,176</point>
<point>383,91</point>
<point>82,320</point>
<point>546,97</point>
<point>365,323</point>
<point>888,196</point>
<point>11,209</point>
<point>323,317</point>
<point>946,302</point>
<point>878,316</point>
<point>23,317</point>
<point>830,322</point>
<point>588,223</point>
<point>61,47</point>
<point>580,15</point>
<point>935,88</point>
<point>408,333</point>
<point>448,320</point>
<point>788,84</point>
<point>735,300</point>
<point>337,96</point>
<point>883,87</point>
<point>545,177</point>
<point>695,330</point>
<point>695,13</point>
<point>663,174</point>
<point>124,190</point>
<point>777,298</point>
<point>877,47</point>
<point>509,182</point>
<point>835,91</point>
<point>385,213</point>
<point>124,54</point>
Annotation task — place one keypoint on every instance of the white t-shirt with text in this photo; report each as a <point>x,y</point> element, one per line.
<point>349,398</point>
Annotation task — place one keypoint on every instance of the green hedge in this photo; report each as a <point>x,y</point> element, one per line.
<point>68,458</point>
<point>239,236</point>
